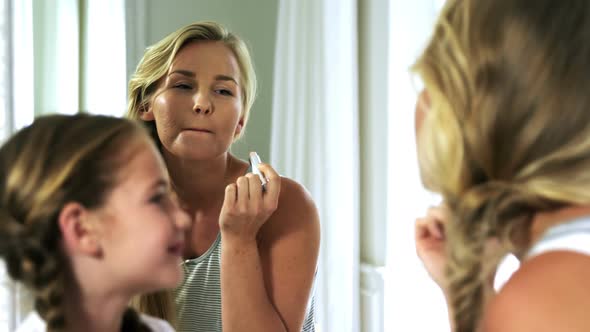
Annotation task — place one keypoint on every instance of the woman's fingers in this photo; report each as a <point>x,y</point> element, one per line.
<point>255,187</point>
<point>243,195</point>
<point>231,196</point>
<point>273,187</point>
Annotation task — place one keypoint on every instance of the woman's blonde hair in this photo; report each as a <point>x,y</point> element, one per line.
<point>158,59</point>
<point>508,131</point>
<point>56,160</point>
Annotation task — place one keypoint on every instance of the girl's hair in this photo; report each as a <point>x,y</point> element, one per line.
<point>56,160</point>
<point>508,131</point>
<point>158,59</point>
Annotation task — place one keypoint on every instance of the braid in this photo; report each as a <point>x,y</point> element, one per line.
<point>33,257</point>
<point>494,210</point>
<point>467,292</point>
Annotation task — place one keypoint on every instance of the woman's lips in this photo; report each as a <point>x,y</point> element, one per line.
<point>199,130</point>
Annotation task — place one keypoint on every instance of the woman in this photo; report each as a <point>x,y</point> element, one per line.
<point>503,135</point>
<point>254,251</point>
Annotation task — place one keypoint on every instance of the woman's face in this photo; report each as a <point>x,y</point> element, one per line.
<point>422,106</point>
<point>198,105</point>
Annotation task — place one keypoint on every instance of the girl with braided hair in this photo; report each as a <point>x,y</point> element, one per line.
<point>504,135</point>
<point>87,222</point>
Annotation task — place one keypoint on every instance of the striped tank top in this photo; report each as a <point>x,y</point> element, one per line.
<point>198,298</point>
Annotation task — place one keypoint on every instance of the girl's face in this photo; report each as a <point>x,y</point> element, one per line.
<point>198,105</point>
<point>141,226</point>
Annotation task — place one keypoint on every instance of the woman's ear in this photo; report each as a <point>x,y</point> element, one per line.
<point>239,127</point>
<point>80,235</point>
<point>146,113</point>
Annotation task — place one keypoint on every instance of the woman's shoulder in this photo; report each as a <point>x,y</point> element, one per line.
<point>156,324</point>
<point>296,211</point>
<point>295,202</point>
<point>294,194</point>
<point>548,291</point>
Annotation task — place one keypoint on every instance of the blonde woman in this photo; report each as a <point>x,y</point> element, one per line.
<point>504,135</point>
<point>252,253</point>
<point>76,192</point>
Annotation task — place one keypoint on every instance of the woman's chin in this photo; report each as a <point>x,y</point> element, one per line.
<point>197,152</point>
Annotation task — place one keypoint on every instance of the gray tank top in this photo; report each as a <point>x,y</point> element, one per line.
<point>198,298</point>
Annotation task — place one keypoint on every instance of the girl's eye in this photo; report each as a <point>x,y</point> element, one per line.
<point>158,198</point>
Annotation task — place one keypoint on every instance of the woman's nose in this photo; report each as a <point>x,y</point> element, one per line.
<point>202,104</point>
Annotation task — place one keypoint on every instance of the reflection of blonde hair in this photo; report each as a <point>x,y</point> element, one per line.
<point>56,160</point>
<point>158,58</point>
<point>508,132</point>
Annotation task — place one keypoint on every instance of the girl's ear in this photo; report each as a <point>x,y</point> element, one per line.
<point>79,234</point>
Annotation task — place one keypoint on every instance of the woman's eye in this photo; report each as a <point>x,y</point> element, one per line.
<point>224,92</point>
<point>183,86</point>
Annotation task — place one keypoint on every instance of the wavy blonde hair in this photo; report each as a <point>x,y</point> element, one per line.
<point>158,59</point>
<point>508,131</point>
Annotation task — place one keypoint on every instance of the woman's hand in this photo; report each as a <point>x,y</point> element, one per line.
<point>430,243</point>
<point>246,206</point>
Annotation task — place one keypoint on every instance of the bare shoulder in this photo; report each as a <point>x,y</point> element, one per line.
<point>549,292</point>
<point>296,212</point>
<point>294,197</point>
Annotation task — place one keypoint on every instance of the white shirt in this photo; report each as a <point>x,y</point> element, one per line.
<point>570,236</point>
<point>34,323</point>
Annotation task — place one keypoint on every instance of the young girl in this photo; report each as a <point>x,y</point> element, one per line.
<point>251,255</point>
<point>504,136</point>
<point>76,194</point>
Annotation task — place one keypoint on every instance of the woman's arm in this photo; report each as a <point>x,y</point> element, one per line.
<point>266,278</point>
<point>290,244</point>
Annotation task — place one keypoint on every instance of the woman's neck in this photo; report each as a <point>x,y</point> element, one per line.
<point>201,184</point>
<point>545,220</point>
<point>540,223</point>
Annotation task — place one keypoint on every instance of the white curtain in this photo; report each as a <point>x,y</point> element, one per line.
<point>74,56</point>
<point>45,67</point>
<point>16,82</point>
<point>315,139</point>
<point>104,74</point>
